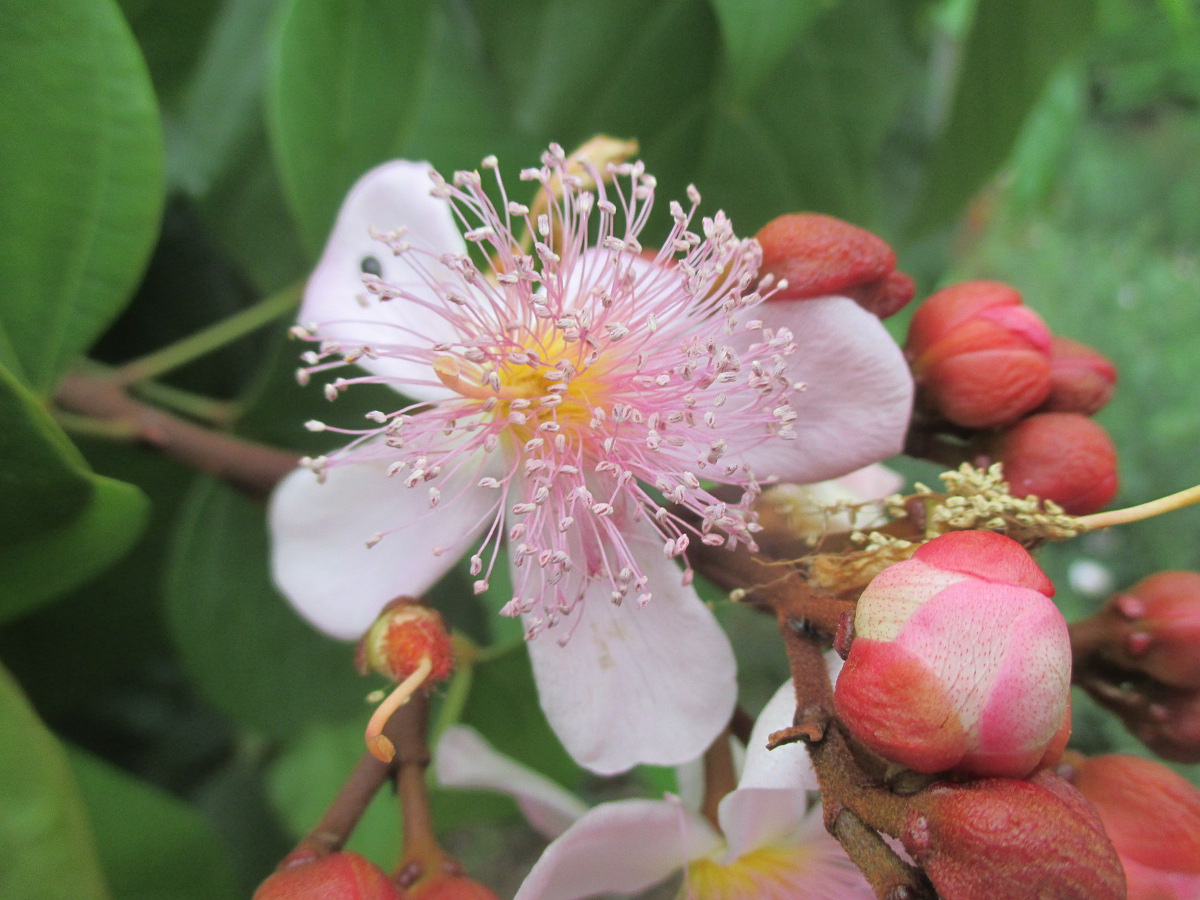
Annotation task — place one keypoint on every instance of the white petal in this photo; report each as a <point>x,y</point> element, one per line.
<point>464,759</point>
<point>858,398</point>
<point>621,847</point>
<point>755,817</point>
<point>390,196</point>
<point>630,685</point>
<point>319,557</point>
<point>784,767</point>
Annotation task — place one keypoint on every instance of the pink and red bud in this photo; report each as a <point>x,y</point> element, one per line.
<point>981,359</point>
<point>405,633</point>
<point>1081,379</point>
<point>1002,838</point>
<point>337,876</point>
<point>1154,628</point>
<point>819,255</point>
<point>1152,816</point>
<point>960,661</point>
<point>1064,457</point>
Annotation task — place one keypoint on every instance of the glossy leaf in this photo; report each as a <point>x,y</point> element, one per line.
<point>248,652</point>
<point>150,844</point>
<point>1013,48</point>
<point>45,840</point>
<point>60,523</point>
<point>345,83</point>
<point>758,34</point>
<point>81,179</point>
<point>814,138</point>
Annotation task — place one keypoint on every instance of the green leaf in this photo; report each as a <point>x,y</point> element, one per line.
<point>60,523</point>
<point>758,33</point>
<point>250,654</point>
<point>150,844</point>
<point>81,179</point>
<point>1013,48</point>
<point>346,80</point>
<point>46,849</point>
<point>308,774</point>
<point>814,139</point>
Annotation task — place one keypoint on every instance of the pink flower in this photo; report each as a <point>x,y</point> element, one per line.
<point>960,661</point>
<point>770,844</point>
<point>563,390</point>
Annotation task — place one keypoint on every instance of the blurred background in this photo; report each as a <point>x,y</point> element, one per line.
<point>168,727</point>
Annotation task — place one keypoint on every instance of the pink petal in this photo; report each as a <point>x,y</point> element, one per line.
<point>464,759</point>
<point>623,847</point>
<point>623,685</point>
<point>319,555</point>
<point>856,406</point>
<point>390,196</point>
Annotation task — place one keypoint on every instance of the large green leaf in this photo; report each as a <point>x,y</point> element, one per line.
<point>248,651</point>
<point>60,523</point>
<point>46,849</point>
<point>346,80</point>
<point>1013,48</point>
<point>81,178</point>
<point>150,844</point>
<point>814,138</point>
<point>758,33</point>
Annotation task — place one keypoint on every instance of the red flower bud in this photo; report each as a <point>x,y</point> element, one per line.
<point>981,358</point>
<point>1064,457</point>
<point>450,887</point>
<point>1001,838</point>
<point>960,661</point>
<point>1081,379</point>
<point>1152,816</point>
<point>1155,628</point>
<point>820,255</point>
<point>338,876</point>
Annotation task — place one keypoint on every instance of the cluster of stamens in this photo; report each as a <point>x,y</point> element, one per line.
<point>588,385</point>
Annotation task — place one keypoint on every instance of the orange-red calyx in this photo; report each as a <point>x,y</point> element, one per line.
<point>405,633</point>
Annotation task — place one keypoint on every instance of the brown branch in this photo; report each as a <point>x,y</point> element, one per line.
<point>252,468</point>
<point>423,855</point>
<point>857,805</point>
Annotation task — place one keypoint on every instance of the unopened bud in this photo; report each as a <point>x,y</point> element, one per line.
<point>1064,457</point>
<point>1152,816</point>
<point>819,256</point>
<point>1154,628</point>
<point>450,887</point>
<point>1005,839</point>
<point>338,876</point>
<point>1081,379</point>
<point>981,359</point>
<point>960,661</point>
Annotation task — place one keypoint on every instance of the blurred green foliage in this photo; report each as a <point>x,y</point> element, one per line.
<point>1051,145</point>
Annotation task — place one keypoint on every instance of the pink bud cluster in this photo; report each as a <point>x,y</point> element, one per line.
<point>960,661</point>
<point>1011,839</point>
<point>1152,816</point>
<point>985,361</point>
<point>1140,657</point>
